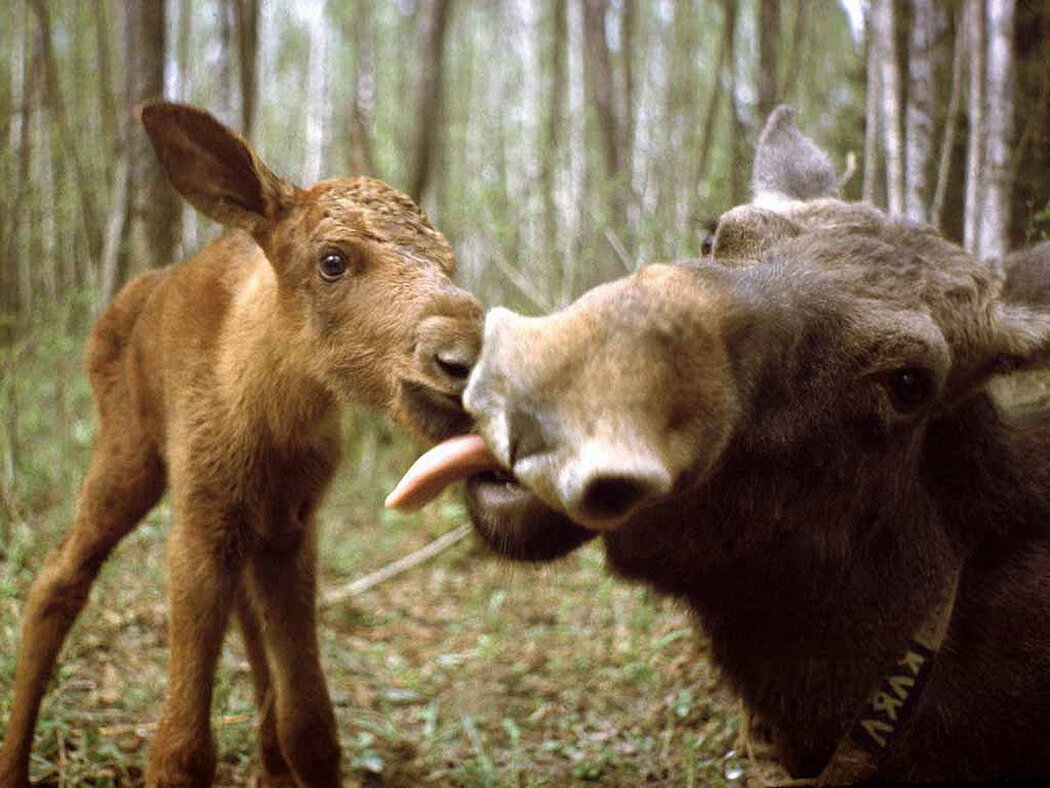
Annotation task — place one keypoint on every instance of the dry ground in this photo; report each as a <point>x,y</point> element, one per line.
<point>463,671</point>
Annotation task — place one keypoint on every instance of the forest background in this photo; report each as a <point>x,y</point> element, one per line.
<point>558,145</point>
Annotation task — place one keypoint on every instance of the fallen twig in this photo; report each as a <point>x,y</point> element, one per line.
<point>619,249</point>
<point>403,564</point>
<point>851,169</point>
<point>143,727</point>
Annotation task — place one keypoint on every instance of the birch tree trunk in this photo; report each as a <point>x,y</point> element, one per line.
<point>318,78</point>
<point>993,233</point>
<point>918,121</point>
<point>883,19</point>
<point>974,197</point>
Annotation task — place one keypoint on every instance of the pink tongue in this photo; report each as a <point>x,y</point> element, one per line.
<point>456,459</point>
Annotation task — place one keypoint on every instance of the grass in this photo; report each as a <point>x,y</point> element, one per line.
<point>465,671</point>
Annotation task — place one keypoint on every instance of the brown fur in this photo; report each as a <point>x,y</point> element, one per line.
<point>819,501</point>
<point>222,377</point>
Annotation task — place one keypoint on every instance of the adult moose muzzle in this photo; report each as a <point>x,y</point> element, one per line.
<point>794,436</point>
<point>222,377</point>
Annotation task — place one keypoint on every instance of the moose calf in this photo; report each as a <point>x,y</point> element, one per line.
<point>794,436</point>
<point>222,376</point>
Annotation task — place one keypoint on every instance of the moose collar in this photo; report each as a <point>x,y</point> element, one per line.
<point>888,708</point>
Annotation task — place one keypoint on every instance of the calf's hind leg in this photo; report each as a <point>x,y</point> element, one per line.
<point>125,480</point>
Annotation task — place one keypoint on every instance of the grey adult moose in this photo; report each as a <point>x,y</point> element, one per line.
<point>794,436</point>
<point>222,377</point>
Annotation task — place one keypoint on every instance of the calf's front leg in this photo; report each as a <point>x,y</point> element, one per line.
<point>204,573</point>
<point>282,584</point>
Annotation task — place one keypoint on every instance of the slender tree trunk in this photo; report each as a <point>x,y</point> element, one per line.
<point>1031,155</point>
<point>433,21</point>
<point>362,156</point>
<point>58,110</point>
<point>707,134</point>
<point>109,266</point>
<point>598,76</point>
<point>768,47</point>
<point>318,79</point>
<point>226,87</point>
<point>951,121</point>
<point>183,61</point>
<point>975,142</point>
<point>600,84</point>
<point>246,29</point>
<point>738,155</point>
<point>14,300</point>
<point>872,120</point>
<point>559,14</point>
<point>798,41</point>
<point>154,214</point>
<point>883,19</point>
<point>918,121</point>
<point>106,99</point>
<point>993,238</point>
<point>629,22</point>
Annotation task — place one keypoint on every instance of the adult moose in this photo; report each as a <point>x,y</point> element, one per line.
<point>222,377</point>
<point>794,436</point>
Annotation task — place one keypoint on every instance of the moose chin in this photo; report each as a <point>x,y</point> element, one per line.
<point>794,436</point>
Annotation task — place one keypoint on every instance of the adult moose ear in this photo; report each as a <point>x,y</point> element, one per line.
<point>788,165</point>
<point>214,168</point>
<point>1023,309</point>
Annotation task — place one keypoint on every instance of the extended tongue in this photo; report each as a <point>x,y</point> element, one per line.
<point>451,461</point>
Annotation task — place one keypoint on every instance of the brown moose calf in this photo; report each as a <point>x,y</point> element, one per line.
<point>794,436</point>
<point>222,376</point>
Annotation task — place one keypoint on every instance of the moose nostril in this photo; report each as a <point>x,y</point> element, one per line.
<point>610,497</point>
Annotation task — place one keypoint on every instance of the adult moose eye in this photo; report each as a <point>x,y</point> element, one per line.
<point>332,265</point>
<point>910,388</point>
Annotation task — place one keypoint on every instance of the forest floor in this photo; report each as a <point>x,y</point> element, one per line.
<point>462,671</point>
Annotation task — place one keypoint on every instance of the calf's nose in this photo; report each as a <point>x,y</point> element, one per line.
<point>446,349</point>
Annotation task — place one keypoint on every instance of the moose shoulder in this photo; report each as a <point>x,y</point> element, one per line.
<point>794,436</point>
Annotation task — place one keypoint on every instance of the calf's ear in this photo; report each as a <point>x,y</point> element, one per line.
<point>789,165</point>
<point>213,167</point>
<point>1023,309</point>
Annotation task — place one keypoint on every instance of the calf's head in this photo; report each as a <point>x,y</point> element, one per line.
<point>363,292</point>
<point>818,340</point>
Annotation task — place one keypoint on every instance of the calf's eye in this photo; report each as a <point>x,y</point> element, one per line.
<point>910,388</point>
<point>332,265</point>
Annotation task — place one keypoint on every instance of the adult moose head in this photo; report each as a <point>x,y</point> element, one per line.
<point>793,436</point>
<point>222,376</point>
